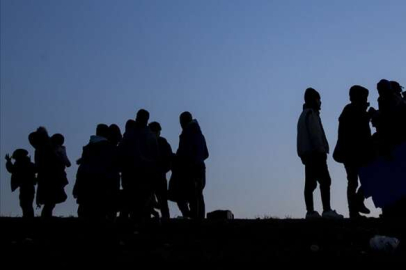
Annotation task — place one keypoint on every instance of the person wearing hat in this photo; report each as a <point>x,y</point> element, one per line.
<point>23,177</point>
<point>312,148</point>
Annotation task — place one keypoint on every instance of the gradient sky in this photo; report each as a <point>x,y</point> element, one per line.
<point>240,67</point>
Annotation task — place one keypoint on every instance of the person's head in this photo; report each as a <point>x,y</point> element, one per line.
<point>57,139</point>
<point>185,118</point>
<point>42,136</point>
<point>102,130</point>
<point>130,125</point>
<point>33,139</point>
<point>384,88</point>
<point>20,154</point>
<point>155,127</point>
<point>142,117</point>
<point>359,95</point>
<point>397,88</point>
<point>115,135</point>
<point>312,99</point>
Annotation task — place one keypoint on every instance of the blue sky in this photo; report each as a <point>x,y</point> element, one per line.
<point>240,67</point>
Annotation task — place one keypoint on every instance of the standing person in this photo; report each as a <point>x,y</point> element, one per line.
<point>138,154</point>
<point>51,175</point>
<point>113,207</point>
<point>23,177</point>
<point>312,148</point>
<point>354,146</point>
<point>164,166</point>
<point>57,141</point>
<point>94,175</point>
<point>190,167</point>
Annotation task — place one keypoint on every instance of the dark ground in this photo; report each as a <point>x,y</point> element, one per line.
<point>69,241</point>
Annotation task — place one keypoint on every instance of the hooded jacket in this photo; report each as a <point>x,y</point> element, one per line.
<point>311,137</point>
<point>354,135</point>
<point>192,145</point>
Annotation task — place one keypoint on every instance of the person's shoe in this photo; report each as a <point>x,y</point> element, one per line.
<point>357,216</point>
<point>312,215</point>
<point>331,214</point>
<point>363,209</point>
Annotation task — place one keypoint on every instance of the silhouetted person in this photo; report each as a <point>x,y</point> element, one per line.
<point>95,175</point>
<point>138,153</point>
<point>391,132</point>
<point>312,148</point>
<point>392,117</point>
<point>51,172</point>
<point>113,207</point>
<point>397,88</point>
<point>115,135</point>
<point>354,146</point>
<point>57,141</point>
<point>190,168</point>
<point>164,166</point>
<point>23,177</point>
<point>400,109</point>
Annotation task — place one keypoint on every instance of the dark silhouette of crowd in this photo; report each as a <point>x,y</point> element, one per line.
<point>119,175</point>
<point>356,146</point>
<point>125,175</point>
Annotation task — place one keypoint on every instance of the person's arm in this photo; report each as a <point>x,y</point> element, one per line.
<point>65,158</point>
<point>315,133</point>
<point>9,164</point>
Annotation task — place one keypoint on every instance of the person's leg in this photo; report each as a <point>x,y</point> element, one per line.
<point>47,210</point>
<point>26,201</point>
<point>324,178</point>
<point>352,177</point>
<point>310,186</point>
<point>184,208</point>
<point>361,201</point>
<point>161,192</point>
<point>198,206</point>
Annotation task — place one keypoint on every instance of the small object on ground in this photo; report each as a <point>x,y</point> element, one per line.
<point>384,243</point>
<point>220,215</point>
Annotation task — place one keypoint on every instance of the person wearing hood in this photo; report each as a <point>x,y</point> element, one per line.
<point>354,146</point>
<point>312,148</point>
<point>94,176</point>
<point>190,168</point>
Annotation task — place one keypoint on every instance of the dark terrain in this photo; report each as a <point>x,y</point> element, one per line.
<point>70,241</point>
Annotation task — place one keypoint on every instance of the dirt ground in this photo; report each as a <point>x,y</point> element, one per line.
<point>72,242</point>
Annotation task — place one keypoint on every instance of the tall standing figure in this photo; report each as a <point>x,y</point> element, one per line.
<point>190,168</point>
<point>312,148</point>
<point>138,154</point>
<point>354,145</point>
<point>51,172</point>
<point>164,166</point>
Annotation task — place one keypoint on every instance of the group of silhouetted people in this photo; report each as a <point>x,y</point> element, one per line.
<point>47,171</point>
<point>125,175</point>
<point>119,175</point>
<point>356,146</point>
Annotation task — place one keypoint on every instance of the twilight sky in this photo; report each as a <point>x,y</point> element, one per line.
<point>240,67</point>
